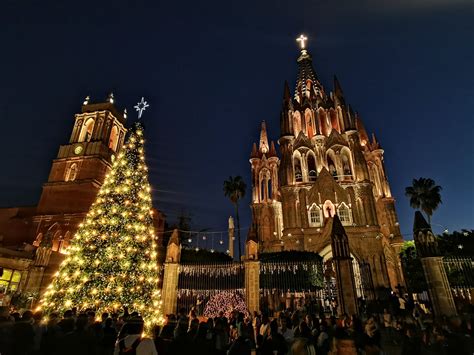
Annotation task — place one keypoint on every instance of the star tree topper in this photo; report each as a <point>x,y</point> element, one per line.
<point>141,106</point>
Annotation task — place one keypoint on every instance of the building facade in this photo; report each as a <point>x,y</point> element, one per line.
<point>75,178</point>
<point>326,165</point>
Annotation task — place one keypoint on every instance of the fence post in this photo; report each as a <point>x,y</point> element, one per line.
<point>171,274</point>
<point>252,276</point>
<point>438,286</point>
<point>433,267</point>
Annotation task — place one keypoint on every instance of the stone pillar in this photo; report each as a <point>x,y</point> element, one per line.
<point>252,285</point>
<point>37,268</point>
<point>346,291</point>
<point>438,286</point>
<point>231,237</point>
<point>170,288</point>
<point>171,274</point>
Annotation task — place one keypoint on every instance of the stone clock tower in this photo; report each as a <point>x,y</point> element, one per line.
<point>78,172</point>
<point>80,166</point>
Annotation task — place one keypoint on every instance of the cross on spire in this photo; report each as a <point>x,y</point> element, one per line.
<point>302,40</point>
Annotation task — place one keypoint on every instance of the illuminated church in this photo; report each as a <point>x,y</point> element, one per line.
<point>326,164</point>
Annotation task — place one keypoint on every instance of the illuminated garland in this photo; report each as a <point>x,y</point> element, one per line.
<point>226,301</point>
<point>213,270</point>
<point>112,261</point>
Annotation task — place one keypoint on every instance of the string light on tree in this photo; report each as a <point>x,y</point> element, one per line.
<point>112,260</point>
<point>227,302</point>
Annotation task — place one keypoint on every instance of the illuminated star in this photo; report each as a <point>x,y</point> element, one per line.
<point>141,106</point>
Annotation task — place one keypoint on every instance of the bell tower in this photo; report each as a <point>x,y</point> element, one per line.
<point>81,165</point>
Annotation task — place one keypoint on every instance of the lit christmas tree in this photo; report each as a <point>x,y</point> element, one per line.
<point>227,302</point>
<point>112,260</point>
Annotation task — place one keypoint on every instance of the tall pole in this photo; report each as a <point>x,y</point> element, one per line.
<point>231,237</point>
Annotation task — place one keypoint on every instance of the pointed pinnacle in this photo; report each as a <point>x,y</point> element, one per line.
<point>337,87</point>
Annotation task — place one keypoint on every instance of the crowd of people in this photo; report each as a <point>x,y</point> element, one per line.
<point>295,332</point>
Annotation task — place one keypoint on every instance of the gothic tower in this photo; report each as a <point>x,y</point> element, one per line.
<point>266,207</point>
<point>327,166</point>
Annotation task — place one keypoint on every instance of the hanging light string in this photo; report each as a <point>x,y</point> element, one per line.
<point>200,232</point>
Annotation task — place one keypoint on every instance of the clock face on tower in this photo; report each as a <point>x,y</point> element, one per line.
<point>78,150</point>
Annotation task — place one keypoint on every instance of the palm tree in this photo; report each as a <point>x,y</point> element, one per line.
<point>425,195</point>
<point>234,189</point>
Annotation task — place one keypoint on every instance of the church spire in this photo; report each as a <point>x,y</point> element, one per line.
<point>263,147</point>
<point>338,93</point>
<point>364,137</point>
<point>307,82</point>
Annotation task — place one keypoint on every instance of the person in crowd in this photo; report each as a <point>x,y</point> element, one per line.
<point>273,341</point>
<point>288,331</point>
<point>23,334</point>
<point>243,345</point>
<point>109,337</point>
<point>285,329</point>
<point>134,342</point>
<point>6,331</point>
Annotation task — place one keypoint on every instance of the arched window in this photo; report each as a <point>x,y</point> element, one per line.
<point>87,129</point>
<point>71,172</point>
<point>297,123</point>
<point>113,138</point>
<point>315,218</point>
<point>298,173</point>
<point>323,122</point>
<point>309,123</point>
<point>57,241</point>
<point>332,166</point>
<point>312,172</point>
<point>346,164</point>
<point>344,213</point>
<point>269,188</point>
<point>262,189</point>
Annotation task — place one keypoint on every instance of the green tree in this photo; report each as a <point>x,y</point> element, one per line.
<point>112,260</point>
<point>425,195</point>
<point>234,189</point>
<point>412,268</point>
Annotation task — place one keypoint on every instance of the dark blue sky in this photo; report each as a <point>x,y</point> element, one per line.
<point>212,70</point>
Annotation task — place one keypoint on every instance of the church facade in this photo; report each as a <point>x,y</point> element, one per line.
<point>34,239</point>
<point>326,165</point>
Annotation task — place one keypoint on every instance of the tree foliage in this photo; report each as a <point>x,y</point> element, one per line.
<point>412,268</point>
<point>112,260</point>
<point>425,195</point>
<point>234,189</point>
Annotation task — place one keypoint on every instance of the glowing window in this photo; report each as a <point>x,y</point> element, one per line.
<point>344,214</point>
<point>10,280</point>
<point>298,174</point>
<point>87,130</point>
<point>71,172</point>
<point>315,217</point>
<point>113,138</point>
<point>312,174</point>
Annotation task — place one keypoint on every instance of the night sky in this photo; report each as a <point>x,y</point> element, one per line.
<point>213,70</point>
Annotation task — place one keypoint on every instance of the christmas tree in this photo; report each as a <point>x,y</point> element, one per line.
<point>227,302</point>
<point>112,260</point>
